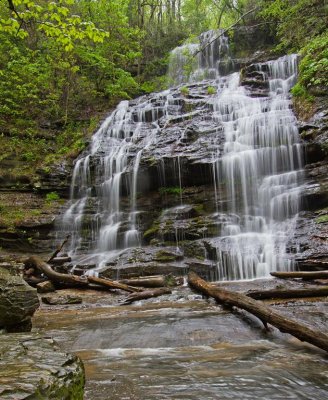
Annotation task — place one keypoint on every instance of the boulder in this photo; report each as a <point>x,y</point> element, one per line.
<point>32,367</point>
<point>18,302</point>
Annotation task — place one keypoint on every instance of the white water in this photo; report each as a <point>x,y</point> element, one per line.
<point>194,62</point>
<point>261,166</point>
<point>259,169</point>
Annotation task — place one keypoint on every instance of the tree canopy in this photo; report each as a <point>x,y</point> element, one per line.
<point>64,62</point>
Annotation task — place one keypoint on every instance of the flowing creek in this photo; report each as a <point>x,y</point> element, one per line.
<point>182,347</point>
<point>242,145</point>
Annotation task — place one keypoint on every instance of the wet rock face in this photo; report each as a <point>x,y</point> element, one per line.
<point>32,367</point>
<point>158,258</point>
<point>311,236</point>
<point>18,302</point>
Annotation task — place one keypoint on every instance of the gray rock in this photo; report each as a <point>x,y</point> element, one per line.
<point>45,287</point>
<point>18,302</point>
<point>61,300</point>
<point>32,367</point>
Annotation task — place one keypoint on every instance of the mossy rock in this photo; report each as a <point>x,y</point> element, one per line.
<point>165,256</point>
<point>33,367</point>
<point>18,302</point>
<point>151,232</point>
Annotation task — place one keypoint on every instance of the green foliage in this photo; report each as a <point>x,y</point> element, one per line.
<point>211,90</point>
<point>175,190</point>
<point>302,27</point>
<point>52,196</point>
<point>296,22</point>
<point>184,91</point>
<point>51,72</point>
<point>322,219</point>
<point>55,20</point>
<point>314,64</point>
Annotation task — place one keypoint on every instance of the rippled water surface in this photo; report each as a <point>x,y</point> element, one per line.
<point>183,347</point>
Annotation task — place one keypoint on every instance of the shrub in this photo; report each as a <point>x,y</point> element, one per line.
<point>211,90</point>
<point>52,196</point>
<point>184,91</point>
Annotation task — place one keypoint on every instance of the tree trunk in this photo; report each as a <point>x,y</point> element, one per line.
<point>147,294</point>
<point>54,276</point>
<point>287,293</point>
<point>301,274</point>
<point>263,312</point>
<point>113,284</point>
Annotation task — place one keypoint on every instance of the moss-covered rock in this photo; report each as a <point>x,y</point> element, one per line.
<point>33,368</point>
<point>18,302</point>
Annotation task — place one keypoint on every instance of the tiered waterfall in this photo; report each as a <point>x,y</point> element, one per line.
<point>246,143</point>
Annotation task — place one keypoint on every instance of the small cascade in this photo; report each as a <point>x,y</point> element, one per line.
<point>244,143</point>
<point>207,59</point>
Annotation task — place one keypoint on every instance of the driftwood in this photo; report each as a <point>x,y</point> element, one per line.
<point>56,277</point>
<point>113,284</point>
<point>59,249</point>
<point>301,274</point>
<point>153,281</point>
<point>146,294</point>
<point>288,293</point>
<point>263,312</point>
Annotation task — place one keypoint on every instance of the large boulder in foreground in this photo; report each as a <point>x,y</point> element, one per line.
<point>18,302</point>
<point>32,367</point>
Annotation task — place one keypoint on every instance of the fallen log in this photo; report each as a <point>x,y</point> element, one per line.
<point>56,277</point>
<point>154,281</point>
<point>59,249</point>
<point>301,274</point>
<point>288,293</point>
<point>113,284</point>
<point>261,311</point>
<point>146,294</point>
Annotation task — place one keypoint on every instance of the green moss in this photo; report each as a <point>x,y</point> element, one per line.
<point>322,219</point>
<point>164,256</point>
<point>52,196</point>
<point>170,281</point>
<point>199,208</point>
<point>175,190</point>
<point>152,231</point>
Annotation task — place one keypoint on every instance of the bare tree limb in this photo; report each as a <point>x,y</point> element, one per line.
<point>59,249</point>
<point>226,30</point>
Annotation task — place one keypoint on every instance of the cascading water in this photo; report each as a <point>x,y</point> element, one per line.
<point>261,166</point>
<point>252,149</point>
<point>206,59</point>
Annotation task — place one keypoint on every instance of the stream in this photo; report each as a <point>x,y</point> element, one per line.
<point>184,347</point>
<point>205,177</point>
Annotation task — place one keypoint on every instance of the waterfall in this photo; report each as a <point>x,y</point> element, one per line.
<point>206,59</point>
<point>252,149</point>
<point>262,166</point>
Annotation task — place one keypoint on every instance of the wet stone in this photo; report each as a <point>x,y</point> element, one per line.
<point>61,300</point>
<point>45,287</point>
<point>33,367</point>
<point>18,302</point>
